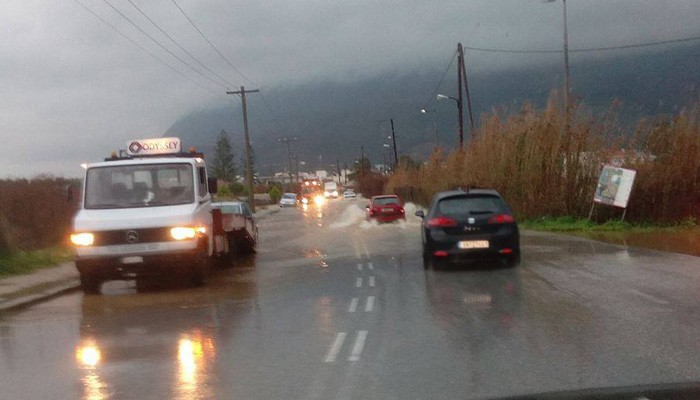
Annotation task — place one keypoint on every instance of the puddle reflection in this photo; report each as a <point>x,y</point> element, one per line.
<point>195,355</point>
<point>88,356</point>
<point>176,333</point>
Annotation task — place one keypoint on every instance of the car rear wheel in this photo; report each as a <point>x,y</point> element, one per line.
<point>426,260</point>
<point>512,260</point>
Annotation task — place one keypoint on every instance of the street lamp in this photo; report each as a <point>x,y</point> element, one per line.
<point>434,112</point>
<point>461,120</point>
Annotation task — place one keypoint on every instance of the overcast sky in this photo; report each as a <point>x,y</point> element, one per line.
<point>72,89</point>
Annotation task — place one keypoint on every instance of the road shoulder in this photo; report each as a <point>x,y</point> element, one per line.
<point>22,290</point>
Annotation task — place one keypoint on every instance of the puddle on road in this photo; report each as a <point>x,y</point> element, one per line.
<point>680,241</point>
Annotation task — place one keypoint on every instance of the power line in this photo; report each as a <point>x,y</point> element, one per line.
<point>211,44</point>
<point>266,103</point>
<point>161,45</point>
<point>435,92</point>
<point>143,48</point>
<point>178,44</point>
<point>585,50</point>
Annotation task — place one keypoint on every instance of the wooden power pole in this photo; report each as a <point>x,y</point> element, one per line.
<point>248,149</point>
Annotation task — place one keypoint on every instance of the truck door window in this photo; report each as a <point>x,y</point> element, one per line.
<point>203,189</point>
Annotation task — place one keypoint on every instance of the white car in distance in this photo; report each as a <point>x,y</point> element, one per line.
<point>288,200</point>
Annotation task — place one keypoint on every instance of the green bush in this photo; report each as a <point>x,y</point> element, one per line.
<point>275,194</point>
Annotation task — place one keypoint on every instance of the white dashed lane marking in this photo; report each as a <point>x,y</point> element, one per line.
<point>353,304</point>
<point>359,346</point>
<point>371,281</point>
<point>335,347</point>
<point>358,282</point>
<point>369,306</point>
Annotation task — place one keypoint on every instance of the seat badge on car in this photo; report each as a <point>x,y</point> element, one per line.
<point>471,220</point>
<point>132,236</point>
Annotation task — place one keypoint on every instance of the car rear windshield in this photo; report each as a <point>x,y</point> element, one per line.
<point>383,201</point>
<point>229,208</point>
<point>471,205</point>
<point>289,196</point>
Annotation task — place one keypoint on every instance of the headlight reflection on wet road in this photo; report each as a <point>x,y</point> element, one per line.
<point>194,352</point>
<point>88,356</point>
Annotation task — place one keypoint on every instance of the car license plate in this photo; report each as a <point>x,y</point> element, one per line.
<point>387,210</point>
<point>473,244</point>
<point>132,260</point>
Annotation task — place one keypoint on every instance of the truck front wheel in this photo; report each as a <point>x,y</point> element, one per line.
<point>90,283</point>
<point>200,270</point>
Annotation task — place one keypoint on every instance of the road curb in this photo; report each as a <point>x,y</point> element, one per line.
<point>45,294</point>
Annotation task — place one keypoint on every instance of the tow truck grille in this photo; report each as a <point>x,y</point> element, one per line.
<point>132,236</point>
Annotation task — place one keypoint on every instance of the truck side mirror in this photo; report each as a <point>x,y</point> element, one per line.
<point>213,185</point>
<point>420,213</point>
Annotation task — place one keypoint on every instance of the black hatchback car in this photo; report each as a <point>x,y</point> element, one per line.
<point>465,224</point>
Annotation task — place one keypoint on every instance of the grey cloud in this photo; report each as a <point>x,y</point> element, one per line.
<point>73,90</point>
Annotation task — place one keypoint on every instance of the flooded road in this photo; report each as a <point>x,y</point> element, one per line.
<point>332,306</point>
<point>685,241</point>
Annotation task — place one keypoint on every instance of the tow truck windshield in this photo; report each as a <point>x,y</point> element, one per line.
<point>148,185</point>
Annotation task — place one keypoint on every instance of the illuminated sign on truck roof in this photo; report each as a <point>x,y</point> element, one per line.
<point>150,147</point>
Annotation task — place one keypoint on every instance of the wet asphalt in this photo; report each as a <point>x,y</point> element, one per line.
<point>332,307</point>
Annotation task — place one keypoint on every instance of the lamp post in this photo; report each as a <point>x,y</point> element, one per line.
<point>434,112</point>
<point>461,120</point>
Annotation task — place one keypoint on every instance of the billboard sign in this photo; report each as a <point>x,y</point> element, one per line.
<point>614,186</point>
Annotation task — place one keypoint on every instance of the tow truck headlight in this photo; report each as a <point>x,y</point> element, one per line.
<point>186,232</point>
<point>305,200</point>
<point>319,200</point>
<point>82,239</point>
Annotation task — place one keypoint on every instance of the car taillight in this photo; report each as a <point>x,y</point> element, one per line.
<point>501,219</point>
<point>441,222</point>
<point>401,210</point>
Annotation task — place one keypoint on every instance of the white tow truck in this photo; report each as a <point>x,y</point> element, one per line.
<point>146,214</point>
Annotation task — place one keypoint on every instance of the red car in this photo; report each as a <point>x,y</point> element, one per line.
<point>386,208</point>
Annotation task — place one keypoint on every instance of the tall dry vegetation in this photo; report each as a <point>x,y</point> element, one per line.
<point>543,170</point>
<point>35,213</point>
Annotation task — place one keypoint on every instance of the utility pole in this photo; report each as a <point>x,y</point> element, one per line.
<point>248,149</point>
<point>567,89</point>
<point>466,88</point>
<point>362,161</point>
<point>459,97</point>
<point>346,173</point>
<point>337,163</point>
<point>286,141</point>
<point>296,162</point>
<point>393,138</point>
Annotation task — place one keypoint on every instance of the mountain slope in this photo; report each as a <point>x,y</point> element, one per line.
<point>332,120</point>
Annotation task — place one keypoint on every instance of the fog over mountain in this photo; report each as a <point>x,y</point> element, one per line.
<point>333,119</point>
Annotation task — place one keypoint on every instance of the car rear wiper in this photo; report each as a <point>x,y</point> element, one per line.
<point>479,212</point>
<point>100,206</point>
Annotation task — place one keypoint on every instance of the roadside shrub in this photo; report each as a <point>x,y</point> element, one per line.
<point>275,194</point>
<point>543,169</point>
<point>36,213</point>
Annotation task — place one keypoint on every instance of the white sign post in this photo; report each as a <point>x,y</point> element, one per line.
<point>614,188</point>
